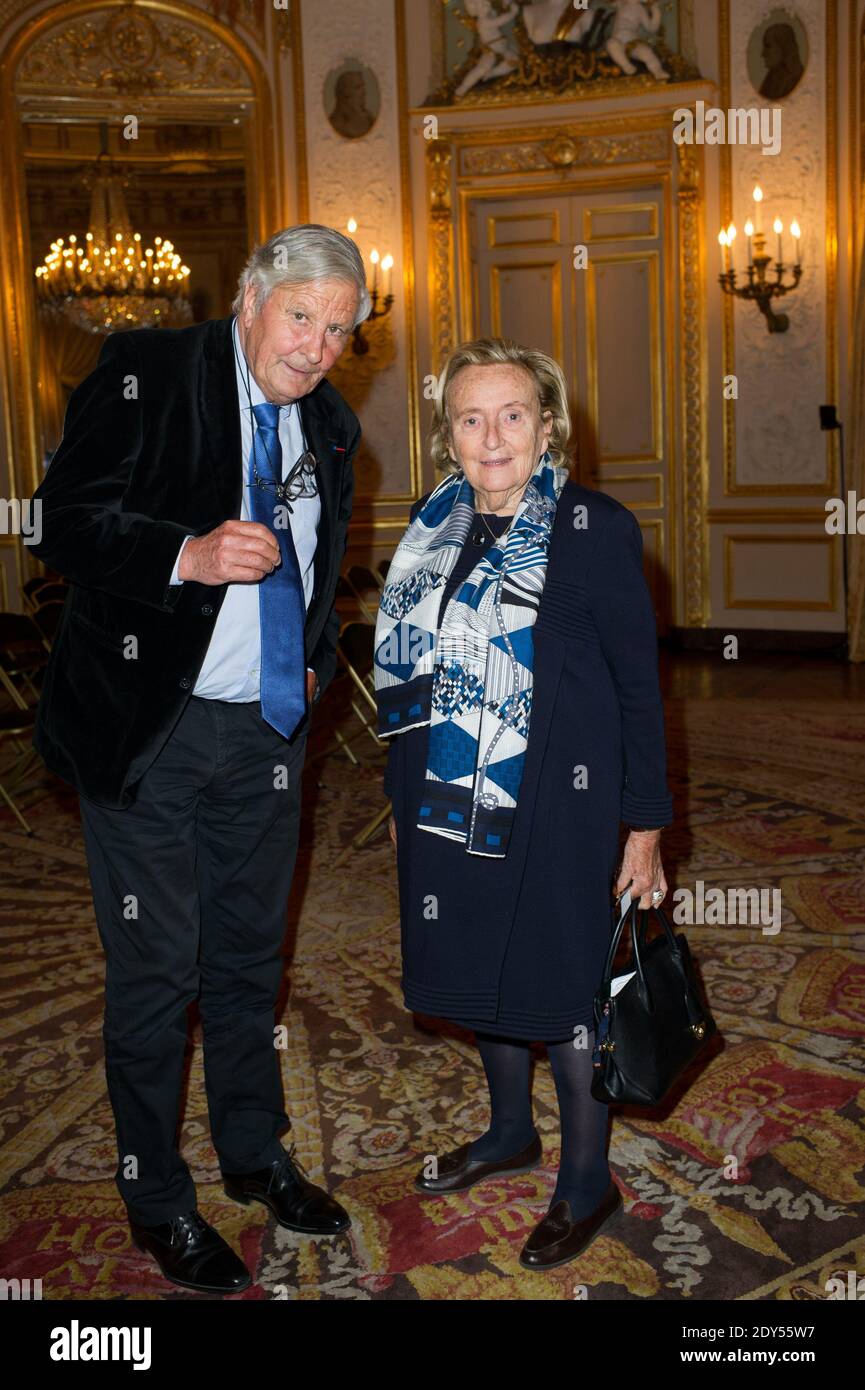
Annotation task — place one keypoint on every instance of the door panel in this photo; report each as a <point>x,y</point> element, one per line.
<point>527,296</point>
<point>605,324</point>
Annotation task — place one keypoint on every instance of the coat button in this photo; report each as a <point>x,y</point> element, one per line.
<point>206,610</point>
<point>185,683</point>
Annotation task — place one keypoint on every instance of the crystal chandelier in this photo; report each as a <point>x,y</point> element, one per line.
<point>111,281</point>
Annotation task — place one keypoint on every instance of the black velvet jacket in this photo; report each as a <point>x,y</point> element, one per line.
<point>151,451</point>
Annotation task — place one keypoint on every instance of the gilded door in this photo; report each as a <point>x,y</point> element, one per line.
<point>584,276</point>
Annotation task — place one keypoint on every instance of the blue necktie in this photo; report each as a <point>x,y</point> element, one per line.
<point>282,608</point>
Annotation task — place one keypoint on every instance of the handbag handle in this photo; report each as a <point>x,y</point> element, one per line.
<point>642,986</point>
<point>696,1013</point>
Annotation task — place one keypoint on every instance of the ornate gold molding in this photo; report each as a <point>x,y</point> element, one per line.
<point>855,60</point>
<point>299,113</point>
<point>693,373</point>
<point>439,161</point>
<point>565,150</point>
<point>285,27</point>
<point>781,605</point>
<point>778,516</point>
<point>832,231</point>
<point>124,50</point>
<point>408,282</point>
<point>855,616</point>
<point>566,134</point>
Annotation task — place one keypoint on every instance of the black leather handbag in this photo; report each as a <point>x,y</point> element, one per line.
<point>650,1024</point>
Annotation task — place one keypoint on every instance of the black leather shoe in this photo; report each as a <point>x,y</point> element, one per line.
<point>191,1253</point>
<point>456,1171</point>
<point>557,1238</point>
<point>297,1204</point>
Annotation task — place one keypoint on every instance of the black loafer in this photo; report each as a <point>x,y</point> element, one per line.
<point>191,1253</point>
<point>456,1171</point>
<point>557,1238</point>
<point>297,1204</point>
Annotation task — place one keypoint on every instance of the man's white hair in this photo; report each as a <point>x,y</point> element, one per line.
<point>299,254</point>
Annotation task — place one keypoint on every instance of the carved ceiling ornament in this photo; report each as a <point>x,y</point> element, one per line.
<point>10,8</point>
<point>132,52</point>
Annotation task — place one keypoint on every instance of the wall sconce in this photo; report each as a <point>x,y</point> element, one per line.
<point>759,288</point>
<point>359,343</point>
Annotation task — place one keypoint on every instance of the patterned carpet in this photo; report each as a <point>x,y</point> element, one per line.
<point>766,796</point>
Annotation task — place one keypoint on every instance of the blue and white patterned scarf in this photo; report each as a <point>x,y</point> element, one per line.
<point>471,679</point>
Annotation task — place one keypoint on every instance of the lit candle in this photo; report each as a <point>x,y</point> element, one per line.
<point>351,226</point>
<point>796,232</point>
<point>758,198</point>
<point>778,227</point>
<point>375,258</point>
<point>387,264</point>
<point>749,232</point>
<point>731,237</point>
<point>725,255</point>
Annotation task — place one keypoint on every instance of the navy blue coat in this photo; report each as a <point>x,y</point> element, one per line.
<point>516,946</point>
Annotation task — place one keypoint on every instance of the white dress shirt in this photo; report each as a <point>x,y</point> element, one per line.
<point>231,669</point>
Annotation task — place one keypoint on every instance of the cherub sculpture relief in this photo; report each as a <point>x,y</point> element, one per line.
<point>549,20</point>
<point>498,54</point>
<point>610,25</point>
<point>632,17</point>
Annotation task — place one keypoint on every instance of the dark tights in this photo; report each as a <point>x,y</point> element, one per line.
<point>583,1170</point>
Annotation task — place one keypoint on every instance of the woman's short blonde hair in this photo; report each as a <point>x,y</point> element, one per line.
<point>546,373</point>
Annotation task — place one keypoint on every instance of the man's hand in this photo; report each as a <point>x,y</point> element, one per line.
<point>237,552</point>
<point>641,869</point>
<point>391,825</point>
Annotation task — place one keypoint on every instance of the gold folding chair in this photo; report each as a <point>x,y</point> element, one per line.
<point>47,619</point>
<point>362,582</point>
<point>30,589</point>
<point>368,579</point>
<point>22,657</point>
<point>15,723</point>
<point>48,593</point>
<point>354,648</point>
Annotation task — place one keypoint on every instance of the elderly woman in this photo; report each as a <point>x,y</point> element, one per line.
<point>516,672</point>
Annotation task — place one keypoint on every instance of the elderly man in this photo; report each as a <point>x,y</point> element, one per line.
<point>199,504</point>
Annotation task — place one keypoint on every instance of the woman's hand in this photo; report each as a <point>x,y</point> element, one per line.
<point>641,869</point>
<point>392,828</point>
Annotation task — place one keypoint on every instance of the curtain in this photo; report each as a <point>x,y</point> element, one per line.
<point>66,356</point>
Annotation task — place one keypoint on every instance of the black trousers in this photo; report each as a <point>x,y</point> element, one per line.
<point>190,887</point>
